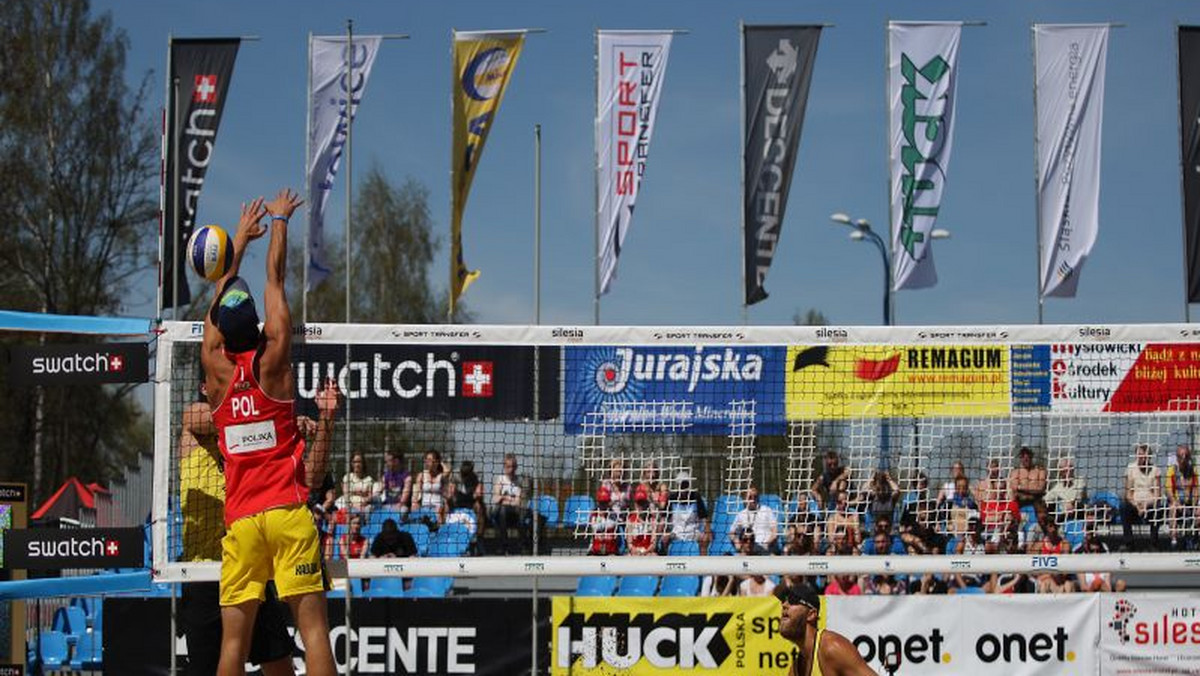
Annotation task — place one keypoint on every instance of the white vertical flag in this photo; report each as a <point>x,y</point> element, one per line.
<point>1070,63</point>
<point>631,69</point>
<point>922,77</point>
<point>334,99</point>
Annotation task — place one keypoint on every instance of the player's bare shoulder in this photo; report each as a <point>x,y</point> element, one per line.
<point>839,657</point>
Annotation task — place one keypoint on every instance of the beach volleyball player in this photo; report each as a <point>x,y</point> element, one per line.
<point>270,534</point>
<point>820,652</point>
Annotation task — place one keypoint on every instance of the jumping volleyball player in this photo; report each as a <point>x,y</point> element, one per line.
<point>821,652</point>
<point>269,531</point>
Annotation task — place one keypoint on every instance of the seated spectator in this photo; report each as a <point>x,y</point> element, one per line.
<point>892,544</point>
<point>917,534</point>
<point>431,487</point>
<point>950,488</point>
<point>719,585</point>
<point>992,487</point>
<point>843,525</point>
<point>392,543</point>
<point>932,584</point>
<point>642,525</point>
<point>756,585</point>
<point>508,503</point>
<point>1067,493</point>
<point>357,486</point>
<point>997,511</point>
<point>1142,493</point>
<point>395,485</point>
<point>688,515</point>
<point>1056,583</point>
<point>1051,542</point>
<point>353,544</point>
<point>958,507</point>
<point>833,479</point>
<point>603,524</point>
<point>797,542</point>
<point>884,585</point>
<point>1027,482</point>
<point>1096,582</point>
<point>763,521</point>
<point>970,544</point>
<point>843,585</point>
<point>617,485</point>
<point>918,503</point>
<point>468,491</point>
<point>1183,489</point>
<point>882,496</point>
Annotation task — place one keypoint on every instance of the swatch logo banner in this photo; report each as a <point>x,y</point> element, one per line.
<point>79,364</point>
<point>49,549</point>
<point>704,382</point>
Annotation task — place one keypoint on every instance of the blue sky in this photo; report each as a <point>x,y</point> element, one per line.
<point>681,261</point>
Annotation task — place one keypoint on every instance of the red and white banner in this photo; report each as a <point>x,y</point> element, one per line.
<point>631,69</point>
<point>1149,635</point>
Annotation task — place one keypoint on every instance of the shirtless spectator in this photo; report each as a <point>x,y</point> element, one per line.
<point>833,478</point>
<point>992,487</point>
<point>763,521</point>
<point>1183,488</point>
<point>1067,493</point>
<point>1027,482</point>
<point>1142,493</point>
<point>843,525</point>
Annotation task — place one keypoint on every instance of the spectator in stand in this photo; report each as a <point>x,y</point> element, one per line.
<point>353,544</point>
<point>642,525</point>
<point>1142,493</point>
<point>603,524</point>
<point>1027,482</point>
<point>719,585</point>
<point>843,526</point>
<point>763,521</point>
<point>969,544</point>
<point>918,503</point>
<point>843,585</point>
<point>833,479</point>
<point>950,488</point>
<point>881,585</point>
<point>618,485</point>
<point>392,543</point>
<point>468,491</point>
<point>431,487</point>
<point>357,486</point>
<point>756,585</point>
<point>688,515</point>
<point>1068,492</point>
<point>1056,583</point>
<point>893,545</point>
<point>997,509</point>
<point>798,543</point>
<point>916,532</point>
<point>395,485</point>
<point>959,508</point>
<point>883,496</point>
<point>1096,582</point>
<point>508,503</point>
<point>1183,488</point>
<point>992,487</point>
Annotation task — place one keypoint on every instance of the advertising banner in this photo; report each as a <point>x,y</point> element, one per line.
<point>79,364</point>
<point>53,549</point>
<point>333,102</point>
<point>1149,635</point>
<point>922,79</point>
<point>731,636</point>
<point>842,381</point>
<point>778,64</point>
<point>1189,126</point>
<point>701,387</point>
<point>631,66</point>
<point>444,381</point>
<point>1106,377</point>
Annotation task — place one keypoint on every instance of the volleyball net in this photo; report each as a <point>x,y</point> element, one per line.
<point>537,450</point>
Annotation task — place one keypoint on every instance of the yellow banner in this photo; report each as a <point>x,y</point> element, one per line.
<point>896,381</point>
<point>723,635</point>
<point>483,63</point>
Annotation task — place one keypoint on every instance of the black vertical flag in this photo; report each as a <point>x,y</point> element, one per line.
<point>1189,125</point>
<point>201,70</point>
<point>778,62</point>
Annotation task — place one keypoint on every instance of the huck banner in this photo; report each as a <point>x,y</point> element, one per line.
<point>922,77</point>
<point>631,69</point>
<point>1069,93</point>
<point>338,74</point>
<point>1189,125</point>
<point>483,64</point>
<point>778,62</point>
<point>199,75</point>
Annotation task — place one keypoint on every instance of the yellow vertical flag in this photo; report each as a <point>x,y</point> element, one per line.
<point>483,62</point>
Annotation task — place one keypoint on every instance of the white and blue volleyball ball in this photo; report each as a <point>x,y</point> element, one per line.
<point>210,252</point>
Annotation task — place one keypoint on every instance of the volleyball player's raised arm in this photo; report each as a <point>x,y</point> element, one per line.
<point>275,363</point>
<point>249,229</point>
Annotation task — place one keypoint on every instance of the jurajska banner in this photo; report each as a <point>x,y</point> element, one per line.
<point>778,63</point>
<point>1069,92</point>
<point>632,65</point>
<point>338,69</point>
<point>922,80</point>
<point>199,77</point>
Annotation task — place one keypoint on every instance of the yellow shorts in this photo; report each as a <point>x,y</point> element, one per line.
<point>279,544</point>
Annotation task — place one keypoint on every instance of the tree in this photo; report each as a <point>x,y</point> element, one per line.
<point>811,317</point>
<point>78,163</point>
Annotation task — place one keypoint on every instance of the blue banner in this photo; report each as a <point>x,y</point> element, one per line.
<point>656,390</point>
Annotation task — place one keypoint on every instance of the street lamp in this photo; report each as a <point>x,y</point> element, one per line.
<point>863,231</point>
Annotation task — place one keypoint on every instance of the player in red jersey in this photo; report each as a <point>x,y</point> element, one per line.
<point>270,534</point>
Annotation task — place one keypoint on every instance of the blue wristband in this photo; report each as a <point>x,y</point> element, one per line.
<point>277,217</point>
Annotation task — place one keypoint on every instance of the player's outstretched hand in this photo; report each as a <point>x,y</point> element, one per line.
<point>249,225</point>
<point>327,398</point>
<point>284,203</point>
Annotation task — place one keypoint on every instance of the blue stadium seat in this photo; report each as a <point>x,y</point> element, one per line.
<point>576,510</point>
<point>1112,501</point>
<point>951,544</point>
<point>727,504</point>
<point>638,585</point>
<point>423,515</point>
<point>771,500</point>
<point>547,506</point>
<point>680,585</point>
<point>683,548</point>
<point>430,587</point>
<point>420,536</point>
<point>89,652</point>
<point>450,540</point>
<point>599,585</point>
<point>1073,532</point>
<point>53,649</point>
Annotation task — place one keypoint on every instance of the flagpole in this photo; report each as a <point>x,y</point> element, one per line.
<point>349,159</point>
<point>890,267</point>
<point>307,189</point>
<point>163,177</point>
<point>596,179</point>
<point>175,216</point>
<point>742,169</point>
<point>1037,192</point>
<point>537,224</point>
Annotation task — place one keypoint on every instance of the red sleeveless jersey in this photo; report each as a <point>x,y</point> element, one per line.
<point>263,450</point>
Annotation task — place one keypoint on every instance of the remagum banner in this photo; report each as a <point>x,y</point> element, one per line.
<point>695,389</point>
<point>922,77</point>
<point>337,90</point>
<point>843,381</point>
<point>1149,635</point>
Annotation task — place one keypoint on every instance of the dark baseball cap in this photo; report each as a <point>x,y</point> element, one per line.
<point>236,316</point>
<point>801,594</point>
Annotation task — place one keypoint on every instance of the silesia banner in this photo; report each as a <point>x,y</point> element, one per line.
<point>1189,125</point>
<point>778,62</point>
<point>631,69</point>
<point>483,63</point>
<point>922,77</point>
<point>1069,92</point>
<point>339,80</point>
<point>200,71</point>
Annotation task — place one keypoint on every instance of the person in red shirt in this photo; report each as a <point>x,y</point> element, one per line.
<point>603,524</point>
<point>641,526</point>
<point>270,534</point>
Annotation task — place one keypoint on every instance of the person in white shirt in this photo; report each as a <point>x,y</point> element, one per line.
<point>763,521</point>
<point>1143,491</point>
<point>688,515</point>
<point>508,502</point>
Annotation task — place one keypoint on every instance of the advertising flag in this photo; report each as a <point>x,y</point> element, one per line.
<point>1069,93</point>
<point>339,79</point>
<point>1189,125</point>
<point>200,73</point>
<point>483,63</point>
<point>778,62</point>
<point>631,69</point>
<point>922,77</point>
